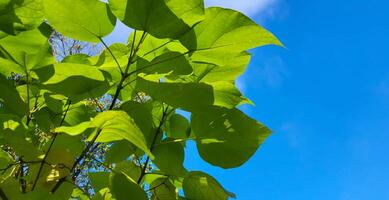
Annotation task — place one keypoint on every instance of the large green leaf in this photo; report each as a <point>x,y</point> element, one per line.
<point>227,138</point>
<point>17,15</point>
<point>118,125</point>
<point>29,49</point>
<point>169,158</point>
<point>64,71</point>
<point>15,136</point>
<point>86,20</point>
<point>193,96</point>
<point>172,63</point>
<point>160,18</point>
<point>66,79</point>
<point>122,187</point>
<point>153,47</point>
<point>223,33</point>
<point>145,115</point>
<point>201,186</point>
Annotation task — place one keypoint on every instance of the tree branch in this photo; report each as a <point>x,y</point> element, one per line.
<point>115,98</point>
<point>49,149</point>
<point>157,132</point>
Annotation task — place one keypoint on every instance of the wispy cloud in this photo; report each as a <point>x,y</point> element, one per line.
<point>274,72</point>
<point>248,7</point>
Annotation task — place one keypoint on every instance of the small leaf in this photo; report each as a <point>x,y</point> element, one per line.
<point>201,186</point>
<point>66,78</point>
<point>121,187</point>
<point>118,125</point>
<point>177,127</point>
<point>10,98</point>
<point>193,96</point>
<point>172,63</point>
<point>163,189</point>
<point>73,130</point>
<point>5,166</point>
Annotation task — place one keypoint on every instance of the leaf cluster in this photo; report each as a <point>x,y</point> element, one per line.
<point>180,57</point>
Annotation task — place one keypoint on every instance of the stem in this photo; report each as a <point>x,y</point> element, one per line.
<point>49,149</point>
<point>2,195</point>
<point>143,172</point>
<point>151,51</point>
<point>159,62</point>
<point>110,52</point>
<point>115,98</point>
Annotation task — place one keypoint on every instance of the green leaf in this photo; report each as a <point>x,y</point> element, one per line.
<point>77,58</point>
<point>193,96</point>
<point>223,33</point>
<point>143,115</point>
<point>172,63</point>
<point>73,130</point>
<point>234,67</point>
<point>121,187</point>
<point>79,112</point>
<point>177,127</point>
<point>17,16</point>
<point>153,47</point>
<point>29,49</point>
<point>160,18</point>
<point>86,20</point>
<point>61,160</point>
<point>118,125</point>
<point>227,138</point>
<point>21,144</point>
<point>169,158</point>
<point>6,166</point>
<point>9,68</point>
<point>100,182</point>
<point>201,186</point>
<point>10,98</point>
<point>119,151</point>
<point>66,79</point>
<point>129,168</point>
<point>163,189</point>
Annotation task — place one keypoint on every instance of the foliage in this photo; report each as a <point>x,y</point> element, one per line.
<point>115,117</point>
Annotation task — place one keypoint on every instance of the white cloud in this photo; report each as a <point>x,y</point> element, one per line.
<point>248,7</point>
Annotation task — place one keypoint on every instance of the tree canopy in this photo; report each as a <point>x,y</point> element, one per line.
<point>125,103</point>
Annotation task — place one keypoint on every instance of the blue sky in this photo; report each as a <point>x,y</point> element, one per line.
<point>326,97</point>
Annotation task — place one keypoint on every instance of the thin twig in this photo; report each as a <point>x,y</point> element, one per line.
<point>143,172</point>
<point>110,52</point>
<point>49,149</point>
